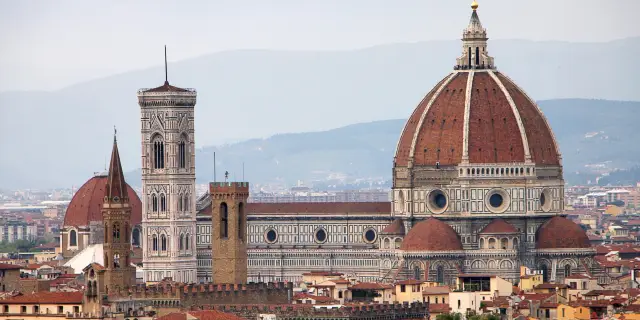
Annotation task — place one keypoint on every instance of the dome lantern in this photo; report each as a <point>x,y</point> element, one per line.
<point>474,45</point>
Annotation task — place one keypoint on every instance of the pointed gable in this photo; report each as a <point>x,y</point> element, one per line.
<point>116,188</point>
<point>395,227</point>
<point>499,226</point>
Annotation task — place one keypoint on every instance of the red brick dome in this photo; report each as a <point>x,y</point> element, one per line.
<point>561,233</point>
<point>86,204</point>
<point>431,235</point>
<point>482,116</point>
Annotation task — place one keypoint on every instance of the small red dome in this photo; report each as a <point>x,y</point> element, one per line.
<point>86,205</point>
<point>482,113</point>
<point>561,233</point>
<point>431,235</point>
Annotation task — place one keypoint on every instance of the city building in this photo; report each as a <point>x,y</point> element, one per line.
<point>477,189</point>
<point>168,183</point>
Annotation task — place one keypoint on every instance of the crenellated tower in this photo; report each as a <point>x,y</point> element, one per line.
<point>116,215</point>
<point>229,231</point>
<point>168,183</point>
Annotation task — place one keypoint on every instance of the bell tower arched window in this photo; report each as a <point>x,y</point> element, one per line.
<point>116,232</point>
<point>163,242</point>
<point>241,226</point>
<point>567,270</point>
<point>163,203</point>
<point>155,242</point>
<point>135,237</point>
<point>224,220</point>
<point>187,241</point>
<point>181,244</point>
<point>158,152</point>
<point>154,203</point>
<point>182,156</point>
<point>73,238</point>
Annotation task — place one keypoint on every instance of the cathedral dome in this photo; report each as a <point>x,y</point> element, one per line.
<point>86,205</point>
<point>476,115</point>
<point>431,235</point>
<point>561,233</point>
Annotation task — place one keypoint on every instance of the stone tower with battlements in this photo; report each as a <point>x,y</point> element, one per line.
<point>116,214</point>
<point>229,231</point>
<point>168,183</point>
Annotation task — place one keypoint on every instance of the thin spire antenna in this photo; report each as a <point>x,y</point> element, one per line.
<point>214,166</point>
<point>115,133</point>
<point>166,72</point>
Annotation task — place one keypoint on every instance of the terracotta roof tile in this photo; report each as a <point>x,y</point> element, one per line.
<point>499,226</point>
<point>319,207</point>
<point>561,233</point>
<point>370,286</point>
<point>396,227</point>
<point>431,235</point>
<point>86,204</point>
<point>45,297</point>
<point>6,266</point>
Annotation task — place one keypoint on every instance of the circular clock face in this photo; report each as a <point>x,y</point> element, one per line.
<point>116,199</point>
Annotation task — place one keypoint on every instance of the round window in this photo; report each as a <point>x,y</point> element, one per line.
<point>496,200</point>
<point>370,235</point>
<point>321,235</point>
<point>437,201</point>
<point>271,236</point>
<point>545,200</point>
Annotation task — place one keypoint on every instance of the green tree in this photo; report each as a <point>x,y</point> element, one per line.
<point>449,316</point>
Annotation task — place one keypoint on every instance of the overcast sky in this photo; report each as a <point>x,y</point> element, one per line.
<point>46,45</point>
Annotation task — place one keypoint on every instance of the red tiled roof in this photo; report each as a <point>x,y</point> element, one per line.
<point>45,297</point>
<point>86,204</point>
<point>395,227</point>
<point>439,308</point>
<point>6,266</point>
<point>200,315</point>
<point>561,233</point>
<point>439,120</point>
<point>319,207</point>
<point>431,235</point>
<point>551,286</point>
<point>499,226</point>
<point>436,290</point>
<point>166,87</point>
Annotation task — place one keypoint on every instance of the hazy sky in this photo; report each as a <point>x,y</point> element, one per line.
<point>47,45</point>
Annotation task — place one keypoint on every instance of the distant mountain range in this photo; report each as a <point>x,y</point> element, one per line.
<point>59,138</point>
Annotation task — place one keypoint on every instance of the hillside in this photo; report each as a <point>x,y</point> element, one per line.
<point>366,150</point>
<point>59,138</point>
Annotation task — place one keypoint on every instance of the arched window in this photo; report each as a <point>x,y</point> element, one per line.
<point>481,243</point>
<point>163,242</point>
<point>186,203</point>
<point>135,237</point>
<point>155,242</point>
<point>492,243</point>
<point>181,244</point>
<point>116,261</point>
<point>417,272</point>
<point>567,270</point>
<point>154,203</point>
<point>116,232</point>
<point>224,220</point>
<point>477,56</point>
<point>241,225</point>
<point>73,238</point>
<point>387,243</point>
<point>504,243</point>
<point>440,274</point>
<point>158,153</point>
<point>187,241</point>
<point>469,54</point>
<point>163,203</point>
<point>398,242</point>
<point>180,202</point>
<point>182,155</point>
